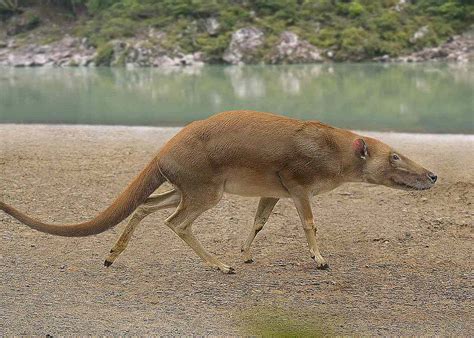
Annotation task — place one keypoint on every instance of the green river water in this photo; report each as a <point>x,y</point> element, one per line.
<point>426,98</point>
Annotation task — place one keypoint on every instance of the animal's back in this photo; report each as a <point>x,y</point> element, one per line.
<point>235,138</point>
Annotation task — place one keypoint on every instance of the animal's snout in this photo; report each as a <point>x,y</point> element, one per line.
<point>432,177</point>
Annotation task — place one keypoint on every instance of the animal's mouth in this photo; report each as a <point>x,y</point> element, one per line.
<point>416,186</point>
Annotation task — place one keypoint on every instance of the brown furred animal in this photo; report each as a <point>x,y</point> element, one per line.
<point>250,154</point>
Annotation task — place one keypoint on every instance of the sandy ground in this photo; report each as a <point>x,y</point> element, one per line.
<point>401,262</point>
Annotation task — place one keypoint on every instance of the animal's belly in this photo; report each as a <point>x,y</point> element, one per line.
<point>248,182</point>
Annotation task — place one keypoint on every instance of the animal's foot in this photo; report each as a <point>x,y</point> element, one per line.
<point>114,253</point>
<point>320,263</point>
<point>247,256</point>
<point>324,266</point>
<point>110,259</point>
<point>227,270</point>
<point>223,268</point>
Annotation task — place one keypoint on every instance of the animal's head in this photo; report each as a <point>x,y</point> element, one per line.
<point>383,165</point>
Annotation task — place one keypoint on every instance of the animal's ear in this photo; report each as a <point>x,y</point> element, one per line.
<point>360,148</point>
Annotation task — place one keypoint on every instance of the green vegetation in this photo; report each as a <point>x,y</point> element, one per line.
<point>352,30</point>
<point>264,322</point>
<point>104,56</point>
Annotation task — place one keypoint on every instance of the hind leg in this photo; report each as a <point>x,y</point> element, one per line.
<point>190,208</point>
<point>265,207</point>
<point>169,199</point>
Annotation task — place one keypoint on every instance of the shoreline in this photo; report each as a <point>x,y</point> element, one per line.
<point>145,52</point>
<point>177,128</point>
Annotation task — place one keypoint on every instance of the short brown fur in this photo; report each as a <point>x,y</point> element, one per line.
<point>250,154</point>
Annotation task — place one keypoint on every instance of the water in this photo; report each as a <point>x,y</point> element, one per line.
<point>434,98</point>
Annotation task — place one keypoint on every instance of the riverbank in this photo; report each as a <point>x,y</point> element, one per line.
<point>401,261</point>
<point>181,33</point>
<point>146,52</point>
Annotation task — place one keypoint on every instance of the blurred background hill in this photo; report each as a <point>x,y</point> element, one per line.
<point>155,32</point>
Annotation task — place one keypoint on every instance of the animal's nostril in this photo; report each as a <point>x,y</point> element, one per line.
<point>432,177</point>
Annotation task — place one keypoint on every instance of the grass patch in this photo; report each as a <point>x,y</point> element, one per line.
<point>105,55</point>
<point>266,322</point>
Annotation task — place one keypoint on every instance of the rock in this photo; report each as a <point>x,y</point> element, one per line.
<point>3,44</point>
<point>179,60</point>
<point>400,5</point>
<point>243,45</point>
<point>68,51</point>
<point>66,54</point>
<point>458,48</point>
<point>211,25</point>
<point>419,34</point>
<point>20,61</point>
<point>155,34</point>
<point>63,62</point>
<point>42,49</point>
<point>30,49</point>
<point>383,58</point>
<point>162,61</point>
<point>198,57</point>
<point>39,60</point>
<point>11,43</point>
<point>85,43</point>
<point>88,59</point>
<point>70,42</point>
<point>291,49</point>
<point>194,59</point>
<point>79,60</point>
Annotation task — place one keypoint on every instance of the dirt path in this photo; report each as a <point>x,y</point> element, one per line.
<point>401,261</point>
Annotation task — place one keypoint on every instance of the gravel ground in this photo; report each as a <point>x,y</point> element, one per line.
<point>401,262</point>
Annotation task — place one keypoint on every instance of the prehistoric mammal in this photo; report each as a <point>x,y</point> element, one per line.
<point>249,154</point>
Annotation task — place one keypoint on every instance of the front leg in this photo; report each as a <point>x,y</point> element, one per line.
<point>301,198</point>
<point>303,206</point>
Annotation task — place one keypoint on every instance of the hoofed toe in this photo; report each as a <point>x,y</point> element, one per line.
<point>324,266</point>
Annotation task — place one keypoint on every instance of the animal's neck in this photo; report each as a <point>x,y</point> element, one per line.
<point>350,165</point>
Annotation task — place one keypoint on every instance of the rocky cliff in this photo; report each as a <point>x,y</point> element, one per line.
<point>182,33</point>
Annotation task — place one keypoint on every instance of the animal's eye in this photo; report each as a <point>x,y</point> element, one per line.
<point>395,157</point>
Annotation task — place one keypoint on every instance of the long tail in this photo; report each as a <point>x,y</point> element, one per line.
<point>134,195</point>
